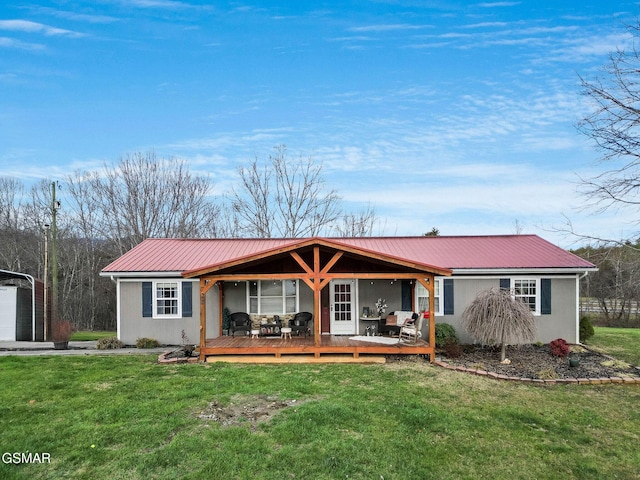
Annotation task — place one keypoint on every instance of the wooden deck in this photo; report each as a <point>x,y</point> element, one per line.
<point>330,345</point>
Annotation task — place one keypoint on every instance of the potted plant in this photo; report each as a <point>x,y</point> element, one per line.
<point>60,334</point>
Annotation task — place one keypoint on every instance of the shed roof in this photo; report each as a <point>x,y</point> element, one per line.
<point>496,252</point>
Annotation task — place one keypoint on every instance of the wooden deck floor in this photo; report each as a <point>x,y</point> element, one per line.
<point>329,345</point>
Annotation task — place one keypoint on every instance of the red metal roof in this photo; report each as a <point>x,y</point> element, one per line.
<point>467,252</point>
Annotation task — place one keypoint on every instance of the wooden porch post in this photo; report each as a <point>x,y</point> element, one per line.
<point>316,296</point>
<point>203,318</point>
<point>220,306</point>
<point>428,282</point>
<point>432,318</point>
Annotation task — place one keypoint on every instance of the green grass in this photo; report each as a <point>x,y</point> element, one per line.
<point>621,343</point>
<point>126,417</point>
<point>86,336</point>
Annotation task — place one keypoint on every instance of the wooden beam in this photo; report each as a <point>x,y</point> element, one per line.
<point>332,262</point>
<point>208,283</point>
<point>316,296</point>
<point>301,262</point>
<point>220,307</point>
<point>203,318</point>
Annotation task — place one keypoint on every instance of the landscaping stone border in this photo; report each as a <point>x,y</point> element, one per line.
<point>538,381</point>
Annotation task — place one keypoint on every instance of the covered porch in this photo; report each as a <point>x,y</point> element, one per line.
<point>318,265</point>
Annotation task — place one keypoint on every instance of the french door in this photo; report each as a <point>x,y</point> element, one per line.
<point>343,307</point>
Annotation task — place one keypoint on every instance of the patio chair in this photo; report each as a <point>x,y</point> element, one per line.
<point>240,322</point>
<point>300,323</point>
<point>393,322</point>
<point>410,331</point>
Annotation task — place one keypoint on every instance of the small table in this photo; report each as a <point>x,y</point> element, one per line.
<point>370,319</point>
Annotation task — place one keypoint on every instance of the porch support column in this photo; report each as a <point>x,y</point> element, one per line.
<point>317,286</point>
<point>220,307</point>
<point>203,318</point>
<point>432,318</point>
<point>428,282</point>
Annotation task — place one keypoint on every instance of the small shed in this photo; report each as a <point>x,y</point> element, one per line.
<point>21,307</point>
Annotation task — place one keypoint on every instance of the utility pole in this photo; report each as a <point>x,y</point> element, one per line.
<point>55,205</point>
<point>46,284</point>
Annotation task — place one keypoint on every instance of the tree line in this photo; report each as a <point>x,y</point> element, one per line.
<point>611,296</point>
<point>107,211</point>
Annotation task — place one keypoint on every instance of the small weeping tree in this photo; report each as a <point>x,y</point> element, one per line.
<point>495,317</point>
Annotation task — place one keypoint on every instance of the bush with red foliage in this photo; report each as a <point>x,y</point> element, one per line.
<point>559,347</point>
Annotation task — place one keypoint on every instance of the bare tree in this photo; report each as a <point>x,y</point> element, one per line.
<point>360,224</point>
<point>252,203</point>
<point>494,317</point>
<point>613,127</point>
<point>285,198</point>
<point>144,196</point>
<point>11,223</point>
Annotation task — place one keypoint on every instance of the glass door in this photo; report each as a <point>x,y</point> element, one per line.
<point>343,307</point>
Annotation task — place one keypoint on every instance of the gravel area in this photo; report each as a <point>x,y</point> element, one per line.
<point>532,361</point>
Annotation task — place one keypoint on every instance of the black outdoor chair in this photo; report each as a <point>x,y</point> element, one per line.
<point>240,322</point>
<point>300,323</point>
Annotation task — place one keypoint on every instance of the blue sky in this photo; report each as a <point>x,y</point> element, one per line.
<point>455,115</point>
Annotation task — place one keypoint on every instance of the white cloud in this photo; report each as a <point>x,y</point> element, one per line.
<point>34,27</point>
<point>387,27</point>
<point>12,43</point>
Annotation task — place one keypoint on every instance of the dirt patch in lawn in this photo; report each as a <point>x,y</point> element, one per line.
<point>247,410</point>
<point>532,361</point>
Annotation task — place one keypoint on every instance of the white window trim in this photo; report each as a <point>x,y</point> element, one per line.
<point>512,281</point>
<point>155,299</point>
<point>440,306</point>
<point>284,297</point>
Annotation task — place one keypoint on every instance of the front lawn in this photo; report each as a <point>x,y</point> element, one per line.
<point>90,335</point>
<point>621,343</point>
<point>128,417</point>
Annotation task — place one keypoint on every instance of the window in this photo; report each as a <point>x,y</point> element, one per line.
<point>422,297</point>
<point>272,297</point>
<point>526,289</point>
<point>166,299</point>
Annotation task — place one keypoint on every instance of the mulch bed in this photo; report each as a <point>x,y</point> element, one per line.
<point>537,362</point>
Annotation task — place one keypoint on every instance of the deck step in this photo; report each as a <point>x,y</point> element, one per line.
<point>296,359</point>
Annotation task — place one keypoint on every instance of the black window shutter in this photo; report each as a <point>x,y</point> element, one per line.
<point>447,285</point>
<point>406,296</point>
<point>545,296</point>
<point>187,300</point>
<point>505,283</point>
<point>147,299</point>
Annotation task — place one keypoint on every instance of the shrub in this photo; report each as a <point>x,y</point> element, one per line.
<point>445,333</point>
<point>586,329</point>
<point>109,343</point>
<point>559,347</point>
<point>145,342</point>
